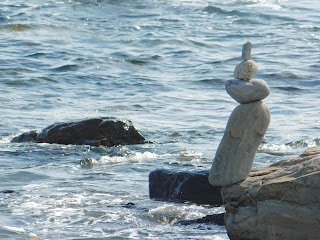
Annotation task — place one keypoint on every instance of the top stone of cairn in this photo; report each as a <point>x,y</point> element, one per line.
<point>246,51</point>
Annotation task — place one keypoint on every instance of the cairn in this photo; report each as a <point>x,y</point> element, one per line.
<point>246,126</point>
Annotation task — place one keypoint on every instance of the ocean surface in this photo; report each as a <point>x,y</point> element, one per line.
<point>161,64</point>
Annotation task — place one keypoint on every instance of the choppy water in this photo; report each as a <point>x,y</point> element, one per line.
<point>161,64</point>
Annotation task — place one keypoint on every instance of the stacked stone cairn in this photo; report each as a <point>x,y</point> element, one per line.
<point>246,126</point>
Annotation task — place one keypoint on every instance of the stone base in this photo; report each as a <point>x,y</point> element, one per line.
<point>193,187</point>
<point>278,202</point>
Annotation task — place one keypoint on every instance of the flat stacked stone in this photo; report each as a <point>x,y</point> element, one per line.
<point>247,91</point>
<point>246,126</point>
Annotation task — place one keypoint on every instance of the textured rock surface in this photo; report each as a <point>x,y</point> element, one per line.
<point>246,91</point>
<point>97,131</point>
<point>246,70</point>
<point>281,201</point>
<point>217,219</point>
<point>244,132</point>
<point>246,51</point>
<point>193,187</point>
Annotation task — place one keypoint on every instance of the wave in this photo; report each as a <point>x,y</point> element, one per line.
<point>172,213</point>
<point>288,89</point>
<point>66,68</point>
<point>287,148</point>
<point>220,11</point>
<point>118,159</point>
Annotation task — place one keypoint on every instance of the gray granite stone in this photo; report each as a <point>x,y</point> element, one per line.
<point>246,70</point>
<point>246,51</point>
<point>246,91</point>
<point>244,132</point>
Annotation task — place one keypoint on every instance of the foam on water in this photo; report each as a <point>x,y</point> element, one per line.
<point>129,158</point>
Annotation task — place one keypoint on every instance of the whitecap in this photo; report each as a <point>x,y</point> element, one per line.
<point>131,157</point>
<point>14,229</point>
<point>172,213</point>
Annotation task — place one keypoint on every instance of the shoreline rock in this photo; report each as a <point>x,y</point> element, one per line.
<point>217,219</point>
<point>281,201</point>
<point>167,185</point>
<point>95,132</point>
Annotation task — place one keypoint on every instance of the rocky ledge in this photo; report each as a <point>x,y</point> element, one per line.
<point>95,132</point>
<point>281,201</point>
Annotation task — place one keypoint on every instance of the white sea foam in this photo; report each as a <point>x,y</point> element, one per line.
<point>14,229</point>
<point>131,157</point>
<point>171,213</point>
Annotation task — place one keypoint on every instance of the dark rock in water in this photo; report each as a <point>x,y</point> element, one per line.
<point>129,205</point>
<point>217,219</point>
<point>26,137</point>
<point>95,132</point>
<point>7,191</point>
<point>193,187</point>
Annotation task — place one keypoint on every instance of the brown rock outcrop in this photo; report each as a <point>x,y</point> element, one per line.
<point>281,201</point>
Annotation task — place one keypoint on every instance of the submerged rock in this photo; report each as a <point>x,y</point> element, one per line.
<point>193,187</point>
<point>281,201</point>
<point>7,191</point>
<point>217,219</point>
<point>97,131</point>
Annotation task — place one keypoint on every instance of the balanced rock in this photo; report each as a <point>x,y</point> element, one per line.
<point>97,131</point>
<point>246,70</point>
<point>248,90</point>
<point>246,51</point>
<point>244,132</point>
<point>278,202</point>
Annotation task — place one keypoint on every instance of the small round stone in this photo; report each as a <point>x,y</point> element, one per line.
<point>247,91</point>
<point>246,70</point>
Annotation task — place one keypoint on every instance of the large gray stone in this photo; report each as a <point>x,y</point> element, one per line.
<point>246,91</point>
<point>246,70</point>
<point>244,132</point>
<point>278,202</point>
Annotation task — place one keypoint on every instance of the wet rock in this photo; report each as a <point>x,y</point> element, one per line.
<point>217,219</point>
<point>193,187</point>
<point>95,132</point>
<point>246,70</point>
<point>281,201</point>
<point>26,137</point>
<point>246,91</point>
<point>129,205</point>
<point>7,191</point>
<point>244,132</point>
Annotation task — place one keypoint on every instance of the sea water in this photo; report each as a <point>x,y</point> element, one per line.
<point>161,64</point>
